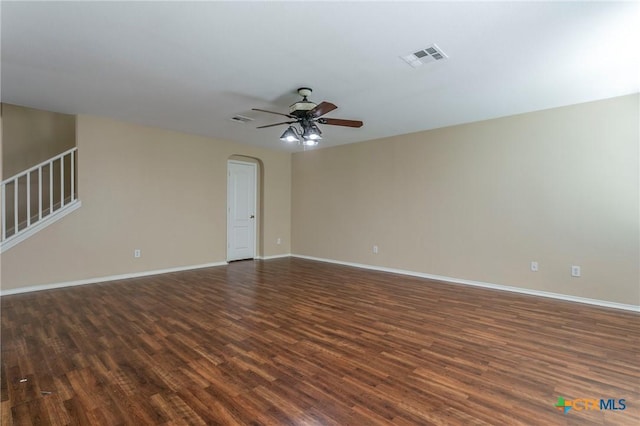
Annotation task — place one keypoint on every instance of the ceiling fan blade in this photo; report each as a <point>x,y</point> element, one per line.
<point>321,109</point>
<point>276,124</point>
<point>272,112</point>
<point>340,122</point>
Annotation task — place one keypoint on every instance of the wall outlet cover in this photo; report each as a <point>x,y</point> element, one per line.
<point>575,271</point>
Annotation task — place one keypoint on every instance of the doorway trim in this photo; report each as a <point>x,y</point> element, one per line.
<point>255,165</point>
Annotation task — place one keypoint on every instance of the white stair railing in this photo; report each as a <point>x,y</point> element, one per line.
<point>31,197</point>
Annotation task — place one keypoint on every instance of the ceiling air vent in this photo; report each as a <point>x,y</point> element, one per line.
<point>241,119</point>
<point>429,54</point>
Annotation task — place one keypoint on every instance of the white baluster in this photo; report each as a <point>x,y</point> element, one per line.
<point>61,182</point>
<point>73,176</point>
<point>15,205</point>
<point>39,193</point>
<point>51,187</point>
<point>28,199</point>
<point>4,211</point>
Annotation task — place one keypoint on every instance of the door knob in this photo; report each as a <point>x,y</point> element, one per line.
<point>251,217</point>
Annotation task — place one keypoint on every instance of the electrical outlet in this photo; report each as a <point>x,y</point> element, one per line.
<point>575,271</point>
<point>279,241</point>
<point>375,249</point>
<point>137,253</point>
<point>534,266</point>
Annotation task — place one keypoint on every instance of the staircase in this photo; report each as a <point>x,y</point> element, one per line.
<point>37,197</point>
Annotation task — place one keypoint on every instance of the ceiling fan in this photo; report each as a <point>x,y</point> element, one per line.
<point>306,114</point>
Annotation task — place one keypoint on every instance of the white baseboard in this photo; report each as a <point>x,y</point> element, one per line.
<point>123,276</point>
<point>565,297</point>
<point>107,278</point>
<point>277,256</point>
<point>596,302</point>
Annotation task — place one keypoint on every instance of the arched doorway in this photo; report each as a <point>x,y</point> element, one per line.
<point>244,208</point>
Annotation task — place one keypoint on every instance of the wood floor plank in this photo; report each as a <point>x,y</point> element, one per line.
<point>298,342</point>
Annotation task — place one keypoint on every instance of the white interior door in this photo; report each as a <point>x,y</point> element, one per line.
<point>241,211</point>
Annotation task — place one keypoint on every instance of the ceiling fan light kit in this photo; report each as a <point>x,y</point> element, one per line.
<point>310,135</point>
<point>289,135</point>
<point>306,114</point>
<point>312,132</point>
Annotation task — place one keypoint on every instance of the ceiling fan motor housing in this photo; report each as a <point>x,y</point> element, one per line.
<point>300,108</point>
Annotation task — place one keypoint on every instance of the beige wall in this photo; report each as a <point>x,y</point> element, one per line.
<point>480,201</point>
<point>476,201</point>
<point>32,136</point>
<point>159,191</point>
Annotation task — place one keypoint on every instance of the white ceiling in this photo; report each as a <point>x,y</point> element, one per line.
<point>191,66</point>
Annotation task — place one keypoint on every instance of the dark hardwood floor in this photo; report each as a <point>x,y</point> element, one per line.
<point>296,342</point>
